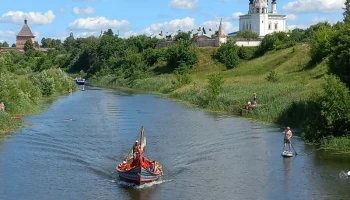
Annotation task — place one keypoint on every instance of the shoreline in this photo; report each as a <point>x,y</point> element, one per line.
<point>169,96</point>
<point>13,125</point>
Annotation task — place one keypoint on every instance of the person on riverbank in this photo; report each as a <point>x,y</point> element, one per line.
<point>253,101</point>
<point>287,138</point>
<point>2,106</point>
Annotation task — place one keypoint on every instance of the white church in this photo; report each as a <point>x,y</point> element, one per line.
<point>262,21</point>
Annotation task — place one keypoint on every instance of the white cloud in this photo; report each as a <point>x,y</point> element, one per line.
<point>129,34</point>
<point>236,15</point>
<point>87,34</point>
<point>96,23</point>
<point>36,34</point>
<point>291,17</point>
<point>85,10</point>
<point>185,24</point>
<point>214,26</point>
<point>183,4</point>
<point>32,17</point>
<point>299,6</point>
<point>310,22</point>
<point>7,33</point>
<point>294,26</point>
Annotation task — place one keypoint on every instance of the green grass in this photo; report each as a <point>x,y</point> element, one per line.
<point>341,144</point>
<point>297,81</point>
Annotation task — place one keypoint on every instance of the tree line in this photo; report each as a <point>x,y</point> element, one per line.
<point>137,57</point>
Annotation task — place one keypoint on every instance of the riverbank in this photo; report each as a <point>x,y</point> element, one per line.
<point>295,82</point>
<point>30,94</point>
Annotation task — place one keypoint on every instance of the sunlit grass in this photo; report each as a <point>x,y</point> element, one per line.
<point>340,144</point>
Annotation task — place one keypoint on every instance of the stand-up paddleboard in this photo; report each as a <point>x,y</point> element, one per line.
<point>287,154</point>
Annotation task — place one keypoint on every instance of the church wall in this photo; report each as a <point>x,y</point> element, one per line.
<point>246,43</point>
<point>276,22</point>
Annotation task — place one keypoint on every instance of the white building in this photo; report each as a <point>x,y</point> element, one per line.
<point>260,20</point>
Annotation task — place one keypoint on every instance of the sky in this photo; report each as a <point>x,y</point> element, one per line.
<point>57,18</point>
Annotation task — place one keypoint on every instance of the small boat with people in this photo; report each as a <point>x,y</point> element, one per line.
<point>79,81</point>
<point>136,168</point>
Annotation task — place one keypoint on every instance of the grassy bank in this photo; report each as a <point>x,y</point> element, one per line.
<point>29,93</point>
<point>295,82</point>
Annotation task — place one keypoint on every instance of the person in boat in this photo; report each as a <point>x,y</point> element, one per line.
<point>122,165</point>
<point>287,139</point>
<point>153,166</point>
<point>136,148</point>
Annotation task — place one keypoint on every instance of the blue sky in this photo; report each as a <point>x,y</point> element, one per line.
<point>56,18</point>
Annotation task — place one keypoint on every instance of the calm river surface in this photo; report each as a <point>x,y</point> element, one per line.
<point>70,152</point>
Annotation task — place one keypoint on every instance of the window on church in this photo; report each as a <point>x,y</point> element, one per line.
<point>257,10</point>
<point>276,26</point>
<point>269,26</point>
<point>250,26</point>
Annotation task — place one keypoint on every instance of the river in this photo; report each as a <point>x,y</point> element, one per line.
<point>70,152</point>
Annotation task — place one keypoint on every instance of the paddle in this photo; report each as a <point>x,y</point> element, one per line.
<point>294,149</point>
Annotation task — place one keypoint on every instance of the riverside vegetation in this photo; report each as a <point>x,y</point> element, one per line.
<point>301,77</point>
<point>26,81</point>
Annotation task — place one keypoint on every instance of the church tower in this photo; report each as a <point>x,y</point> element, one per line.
<point>221,37</point>
<point>260,20</point>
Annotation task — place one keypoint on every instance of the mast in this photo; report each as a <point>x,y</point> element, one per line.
<point>140,152</point>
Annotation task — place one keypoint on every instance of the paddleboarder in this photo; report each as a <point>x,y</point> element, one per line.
<point>287,138</point>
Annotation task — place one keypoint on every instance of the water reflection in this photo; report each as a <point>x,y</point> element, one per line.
<point>139,192</point>
<point>287,169</point>
<point>73,148</point>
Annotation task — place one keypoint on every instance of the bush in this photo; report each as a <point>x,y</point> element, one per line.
<point>328,112</point>
<point>246,53</point>
<point>44,82</point>
<point>228,54</point>
<point>181,53</point>
<point>272,77</point>
<point>215,87</point>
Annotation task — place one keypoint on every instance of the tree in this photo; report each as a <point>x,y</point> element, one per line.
<point>228,54</point>
<point>247,34</point>
<point>5,44</point>
<point>320,43</point>
<point>36,44</point>
<point>328,112</point>
<point>339,63</point>
<point>298,35</point>
<point>28,45</point>
<point>109,32</point>
<point>183,36</point>
<point>69,44</point>
<point>13,45</point>
<point>347,11</point>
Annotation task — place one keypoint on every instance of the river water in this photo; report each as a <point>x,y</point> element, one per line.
<point>70,152</point>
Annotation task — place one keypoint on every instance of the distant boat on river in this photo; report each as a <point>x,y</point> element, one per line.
<point>79,81</point>
<point>136,168</point>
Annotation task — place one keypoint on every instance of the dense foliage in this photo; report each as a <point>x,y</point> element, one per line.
<point>328,112</point>
<point>25,79</point>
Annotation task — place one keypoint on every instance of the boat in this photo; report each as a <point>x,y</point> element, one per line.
<point>79,81</point>
<point>287,153</point>
<point>136,168</point>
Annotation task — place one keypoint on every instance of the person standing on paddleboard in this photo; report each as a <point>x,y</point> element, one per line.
<point>287,138</point>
